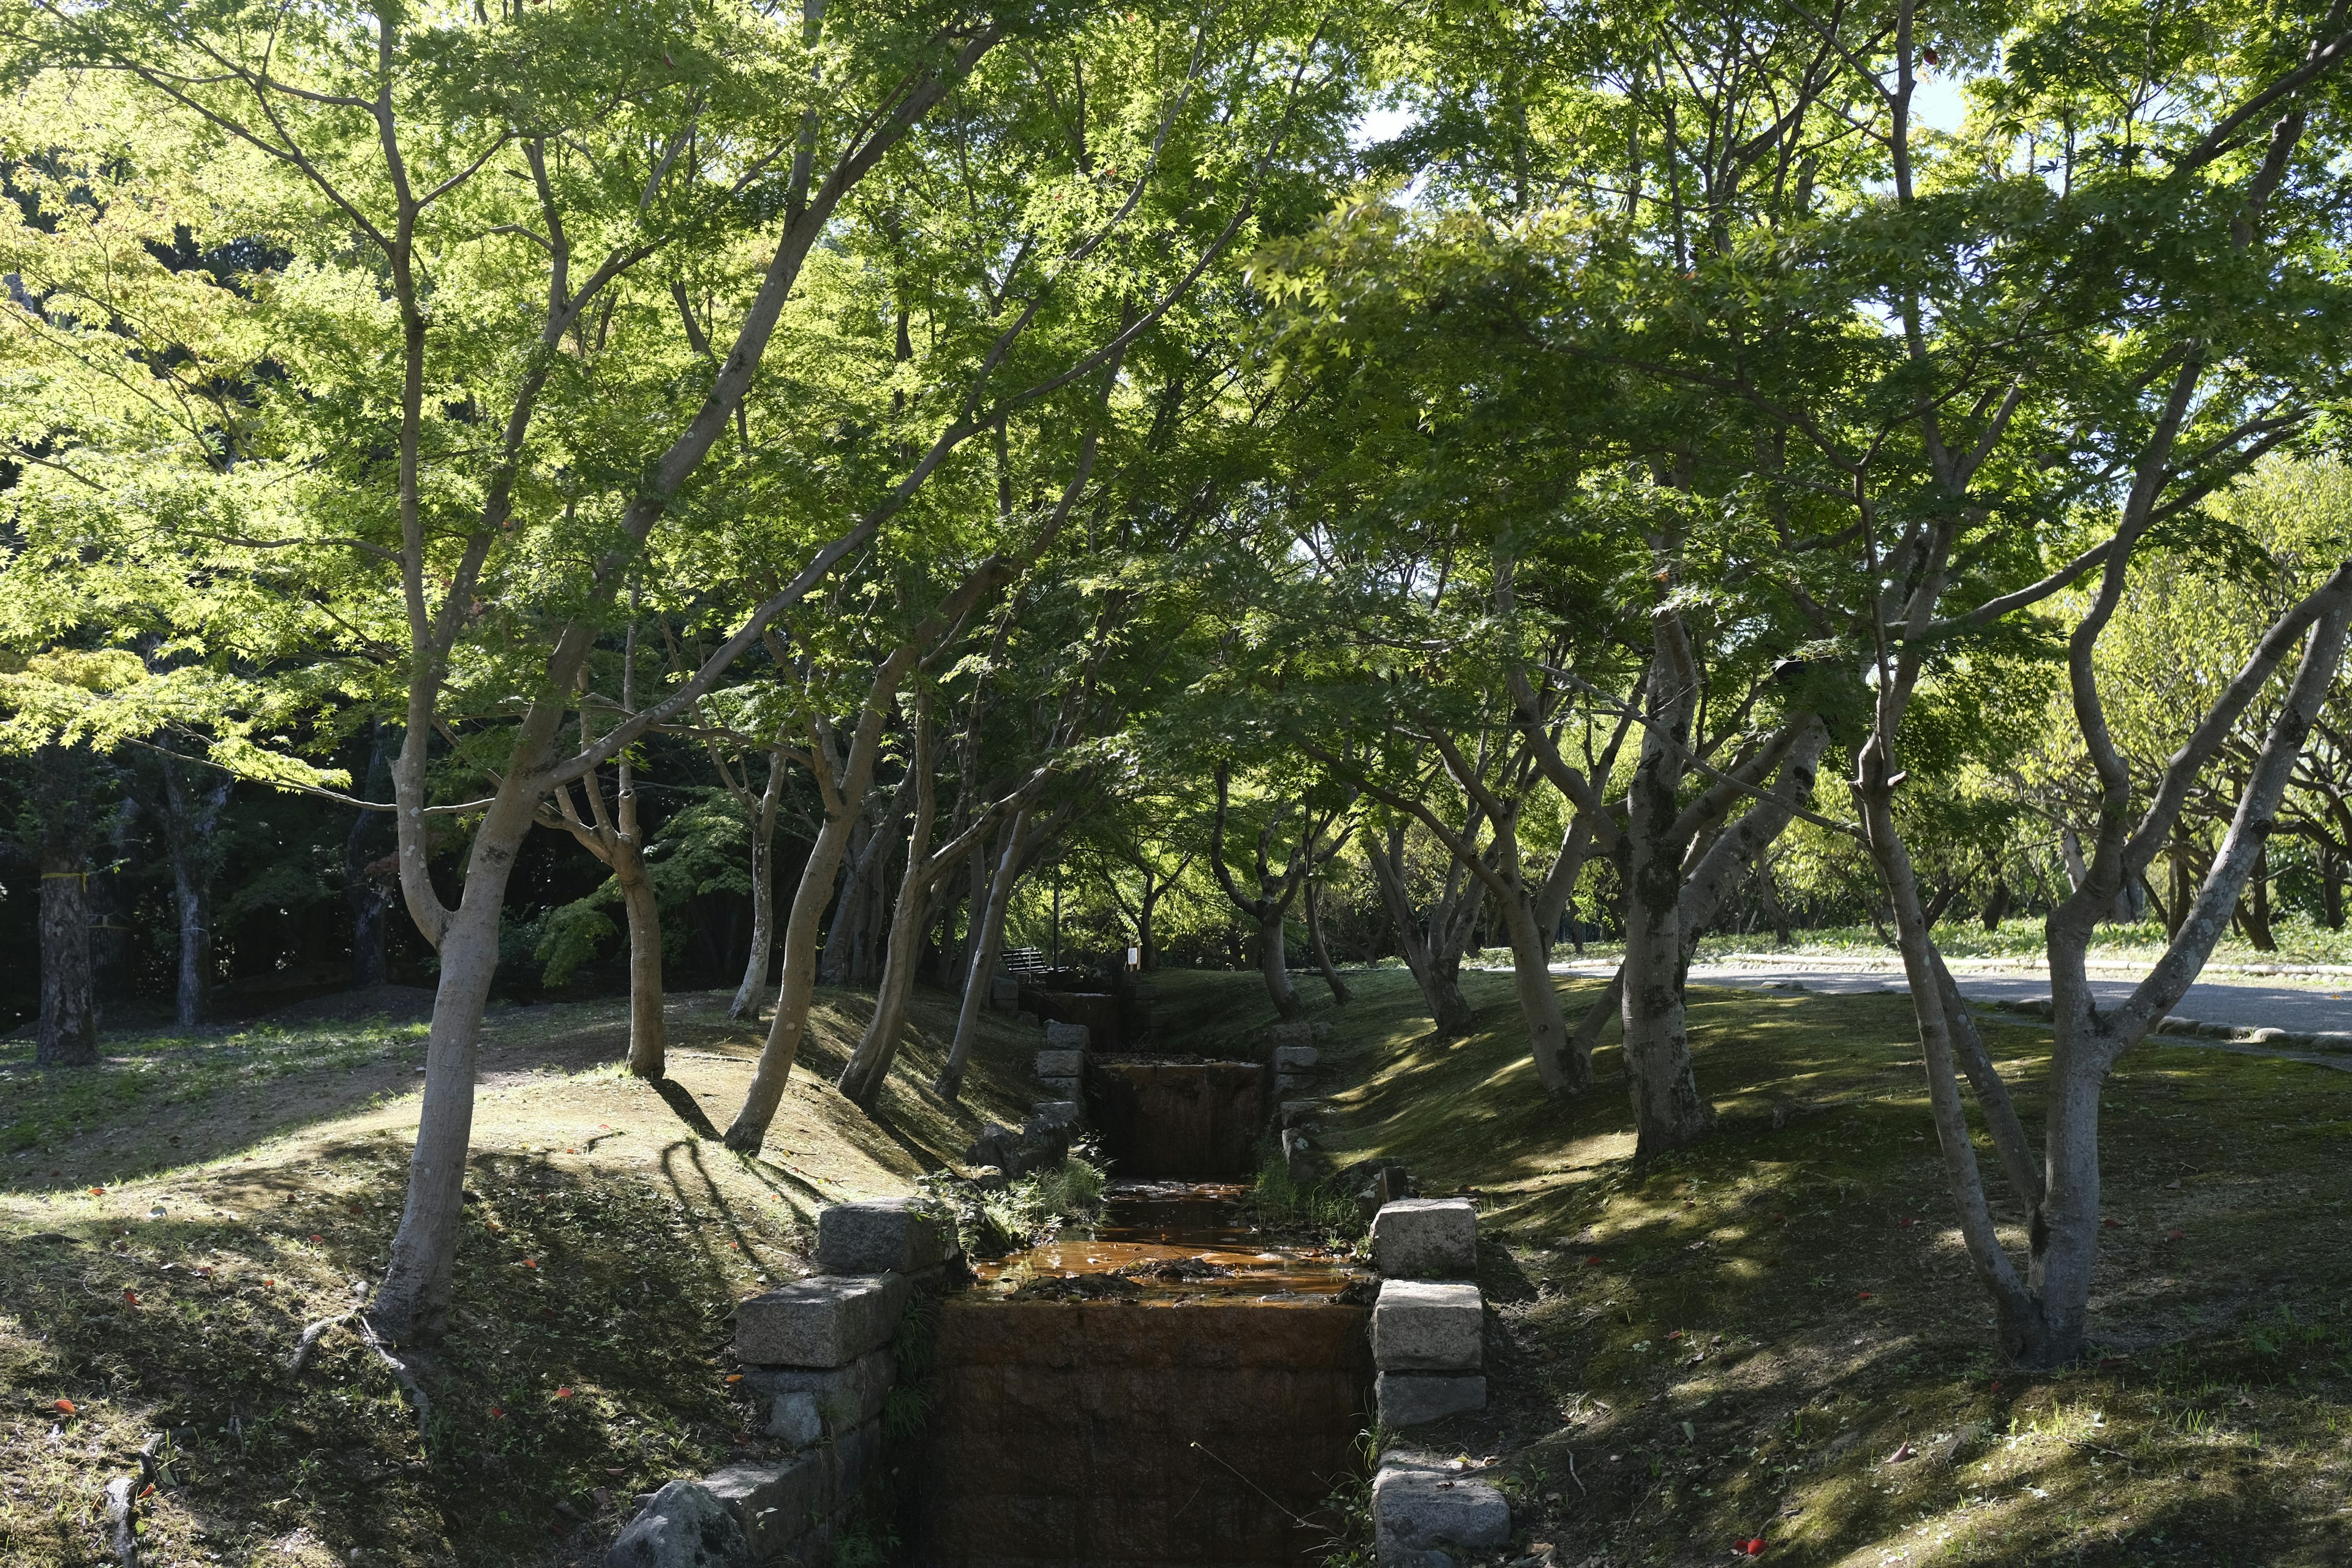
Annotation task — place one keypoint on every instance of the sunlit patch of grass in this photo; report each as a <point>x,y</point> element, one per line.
<point>1741,1339</point>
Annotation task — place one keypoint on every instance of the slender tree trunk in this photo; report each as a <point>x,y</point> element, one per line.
<point>988,935</point>
<point>2258,904</point>
<point>412,1306</point>
<point>1996,909</point>
<point>1558,1066</point>
<point>648,1039</point>
<point>797,991</point>
<point>2331,890</point>
<point>1340,995</point>
<point>833,965</point>
<point>191,818</point>
<point>868,1068</point>
<point>763,892</point>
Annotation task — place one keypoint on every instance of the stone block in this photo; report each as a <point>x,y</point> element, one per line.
<point>1298,1032</point>
<point>1425,1238</point>
<point>1300,1158</point>
<point>1428,1514</point>
<point>826,1321</point>
<point>684,1525</point>
<point>884,1236</point>
<point>1295,1059</point>
<point>1411,1398</point>
<point>2172,1024</point>
<point>1057,1115</point>
<point>1060,1036</point>
<point>1288,1083</point>
<point>808,1405</point>
<point>1061,1064</point>
<point>1066,1088</point>
<point>792,1504</point>
<point>1301,1113</point>
<point>1428,1325</point>
<point>2217,1031</point>
<point>1144,991</point>
<point>1003,992</point>
<point>2268,1038</point>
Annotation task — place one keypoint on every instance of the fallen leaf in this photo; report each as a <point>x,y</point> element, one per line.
<point>495,1410</point>
<point>98,1191</point>
<point>564,1393</point>
<point>2114,1360</point>
<point>149,1490</point>
<point>1862,1295</point>
<point>2112,1224</point>
<point>2175,1236</point>
<point>1899,1455</point>
<point>129,1296</point>
<point>64,1408</point>
<point>531,1263</point>
<point>1592,1262</point>
<point>1996,1386</point>
<point>2173,1185</point>
<point>318,1239</point>
<point>1675,1335</point>
<point>734,1377</point>
<point>1751,1547</point>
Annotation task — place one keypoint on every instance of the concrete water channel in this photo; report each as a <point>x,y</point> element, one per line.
<point>1169,1384</point>
<point>1170,1381</point>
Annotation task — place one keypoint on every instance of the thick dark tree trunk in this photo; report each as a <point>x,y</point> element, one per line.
<point>67,1032</point>
<point>366,896</point>
<point>1432,958</point>
<point>1996,907</point>
<point>2258,904</point>
<point>1274,963</point>
<point>68,1026</point>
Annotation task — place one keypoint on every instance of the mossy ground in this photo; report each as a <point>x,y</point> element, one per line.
<point>1739,1341</point>
<point>172,1219</point>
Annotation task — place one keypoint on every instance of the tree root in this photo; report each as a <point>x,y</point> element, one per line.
<point>403,1373</point>
<point>309,1342</point>
<point>121,1519</point>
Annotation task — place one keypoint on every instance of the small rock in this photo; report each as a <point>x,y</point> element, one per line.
<point>683,1526</point>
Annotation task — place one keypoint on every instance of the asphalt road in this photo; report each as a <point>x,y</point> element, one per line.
<point>2249,1006</point>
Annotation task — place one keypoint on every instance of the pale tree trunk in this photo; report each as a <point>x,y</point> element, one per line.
<point>843,782</point>
<point>413,1302</point>
<point>648,1040</point>
<point>868,1068</point>
<point>191,818</point>
<point>616,836</point>
<point>762,815</point>
<point>987,946</point>
<point>412,1306</point>
<point>1547,1035</point>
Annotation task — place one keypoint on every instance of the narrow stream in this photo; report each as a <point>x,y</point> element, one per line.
<point>1162,1243</point>
<point>1071,1431</point>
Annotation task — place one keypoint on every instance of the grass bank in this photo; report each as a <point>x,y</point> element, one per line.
<point>1778,1334</point>
<point>170,1220</point>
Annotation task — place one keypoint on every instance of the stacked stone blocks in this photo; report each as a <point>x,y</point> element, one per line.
<point>818,1350</point>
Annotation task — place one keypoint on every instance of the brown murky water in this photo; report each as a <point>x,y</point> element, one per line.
<point>1166,1242</point>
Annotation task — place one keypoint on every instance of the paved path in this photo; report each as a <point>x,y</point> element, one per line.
<point>2251,1006</point>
